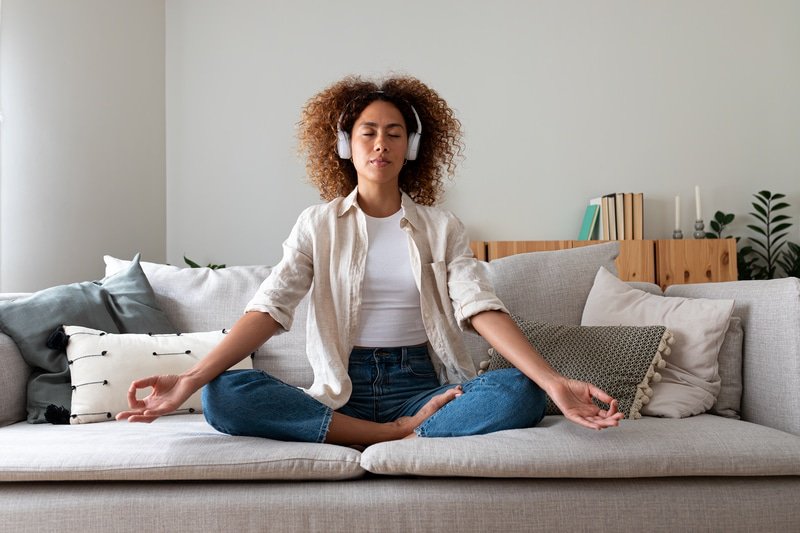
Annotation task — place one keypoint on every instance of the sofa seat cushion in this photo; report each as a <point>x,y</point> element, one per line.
<point>179,447</point>
<point>705,445</point>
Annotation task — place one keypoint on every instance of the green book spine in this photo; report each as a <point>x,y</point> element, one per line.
<point>589,221</point>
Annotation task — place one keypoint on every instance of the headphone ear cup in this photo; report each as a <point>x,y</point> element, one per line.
<point>343,144</point>
<point>413,146</point>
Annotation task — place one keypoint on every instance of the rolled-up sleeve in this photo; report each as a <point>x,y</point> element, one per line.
<point>290,280</point>
<point>468,283</point>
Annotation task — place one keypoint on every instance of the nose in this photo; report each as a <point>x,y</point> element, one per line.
<point>380,143</point>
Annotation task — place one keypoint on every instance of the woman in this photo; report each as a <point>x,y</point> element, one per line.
<point>392,280</point>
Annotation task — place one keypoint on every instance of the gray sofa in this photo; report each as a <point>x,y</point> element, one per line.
<point>705,472</point>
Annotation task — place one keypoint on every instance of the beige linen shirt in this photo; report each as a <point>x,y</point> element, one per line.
<point>328,247</point>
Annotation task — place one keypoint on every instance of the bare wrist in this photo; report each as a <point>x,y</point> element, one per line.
<point>193,379</point>
<point>552,382</point>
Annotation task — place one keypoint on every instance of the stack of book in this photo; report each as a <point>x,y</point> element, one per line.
<point>615,216</point>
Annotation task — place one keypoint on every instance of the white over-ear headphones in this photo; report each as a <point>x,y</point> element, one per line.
<point>343,139</point>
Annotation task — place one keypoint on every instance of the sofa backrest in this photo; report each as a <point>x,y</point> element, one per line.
<point>770,316</point>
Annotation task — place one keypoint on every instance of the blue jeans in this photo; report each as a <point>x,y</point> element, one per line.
<point>388,383</point>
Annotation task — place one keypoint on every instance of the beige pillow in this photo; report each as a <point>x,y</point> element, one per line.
<point>103,365</point>
<point>690,382</point>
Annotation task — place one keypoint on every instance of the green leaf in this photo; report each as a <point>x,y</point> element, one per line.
<point>760,218</point>
<point>710,235</point>
<point>762,200</point>
<point>782,205</point>
<point>775,246</point>
<point>765,194</point>
<point>760,209</point>
<point>760,245</point>
<point>778,218</point>
<point>778,196</point>
<point>729,218</point>
<point>190,262</point>
<point>715,226</point>
<point>757,229</point>
<point>719,216</point>
<point>781,227</point>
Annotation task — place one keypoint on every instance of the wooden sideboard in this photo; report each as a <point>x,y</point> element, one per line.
<point>664,262</point>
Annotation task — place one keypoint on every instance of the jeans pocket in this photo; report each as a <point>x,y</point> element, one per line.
<point>419,365</point>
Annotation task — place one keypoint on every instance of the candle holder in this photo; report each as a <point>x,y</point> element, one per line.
<point>699,227</point>
<point>677,234</point>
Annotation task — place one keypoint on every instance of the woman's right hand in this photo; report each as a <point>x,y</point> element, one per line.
<point>168,394</point>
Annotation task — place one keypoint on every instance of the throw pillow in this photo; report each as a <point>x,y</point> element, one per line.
<point>104,365</point>
<point>621,360</point>
<point>729,400</point>
<point>691,381</point>
<point>122,303</point>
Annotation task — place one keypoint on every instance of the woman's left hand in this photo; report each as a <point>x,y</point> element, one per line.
<point>574,399</point>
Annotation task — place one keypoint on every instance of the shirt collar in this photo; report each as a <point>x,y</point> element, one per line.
<point>406,204</point>
<point>349,202</point>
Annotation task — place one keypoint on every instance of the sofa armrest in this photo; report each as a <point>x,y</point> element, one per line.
<point>770,315</point>
<point>14,372</point>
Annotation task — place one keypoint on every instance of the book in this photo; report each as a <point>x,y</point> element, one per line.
<point>638,215</point>
<point>619,208</point>
<point>597,232</point>
<point>612,217</point>
<point>621,216</point>
<point>589,221</point>
<point>627,202</point>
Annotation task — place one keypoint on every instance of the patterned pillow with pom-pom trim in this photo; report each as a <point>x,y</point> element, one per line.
<point>621,360</point>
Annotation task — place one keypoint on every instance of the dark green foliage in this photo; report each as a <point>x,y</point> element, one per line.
<point>770,235</point>
<point>193,264</point>
<point>768,249</point>
<point>790,262</point>
<point>718,224</point>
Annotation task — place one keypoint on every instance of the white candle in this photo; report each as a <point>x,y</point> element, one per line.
<point>697,202</point>
<point>677,212</point>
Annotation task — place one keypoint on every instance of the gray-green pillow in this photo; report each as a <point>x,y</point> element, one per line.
<point>621,360</point>
<point>122,303</point>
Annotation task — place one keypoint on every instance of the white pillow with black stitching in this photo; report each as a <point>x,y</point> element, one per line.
<point>103,365</point>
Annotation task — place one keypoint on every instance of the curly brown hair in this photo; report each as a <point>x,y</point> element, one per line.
<point>422,179</point>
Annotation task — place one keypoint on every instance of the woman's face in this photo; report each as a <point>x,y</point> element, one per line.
<point>379,142</point>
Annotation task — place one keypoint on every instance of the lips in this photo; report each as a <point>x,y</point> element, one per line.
<point>380,163</point>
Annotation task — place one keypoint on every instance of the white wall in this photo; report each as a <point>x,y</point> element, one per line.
<point>83,149</point>
<point>560,101</point>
